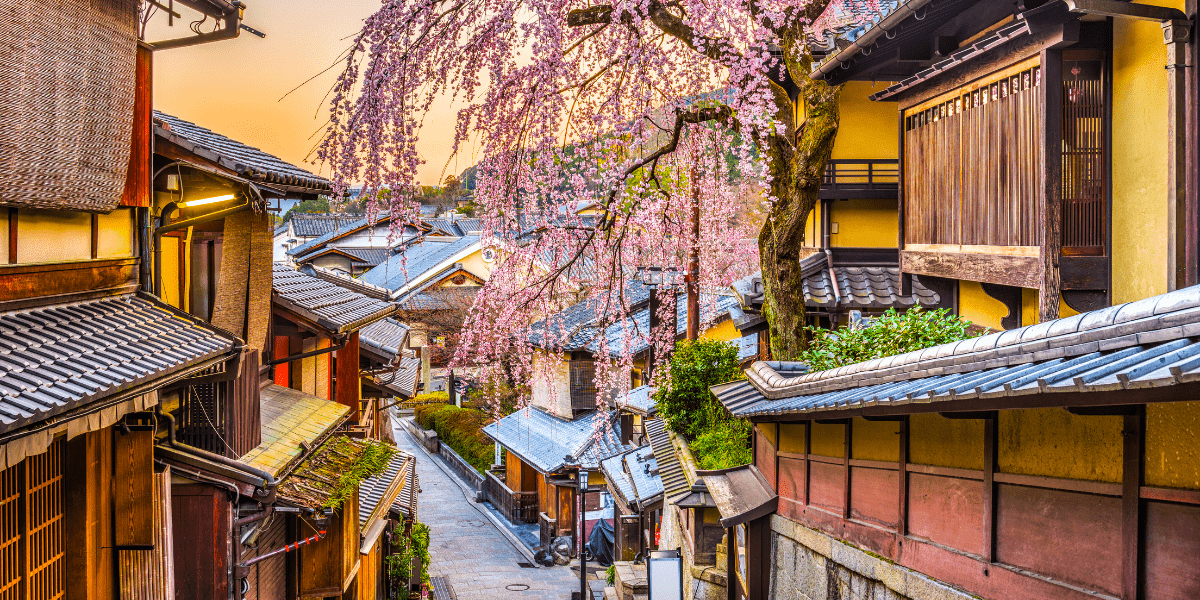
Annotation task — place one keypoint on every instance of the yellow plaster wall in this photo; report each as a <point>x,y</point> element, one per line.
<point>550,388</point>
<point>828,440</point>
<point>476,265</point>
<point>1173,445</point>
<point>977,307</point>
<point>1065,311</point>
<point>791,438</point>
<point>769,431</point>
<point>875,440</point>
<point>865,223</point>
<point>115,235</point>
<point>170,271</point>
<point>3,236</point>
<point>333,261</point>
<point>724,331</point>
<point>53,236</point>
<point>1052,442</point>
<point>811,235</point>
<point>941,442</point>
<point>1139,160</point>
<point>1029,307</point>
<point>867,129</point>
<point>308,367</point>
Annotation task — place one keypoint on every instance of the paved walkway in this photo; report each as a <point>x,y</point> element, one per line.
<point>466,547</point>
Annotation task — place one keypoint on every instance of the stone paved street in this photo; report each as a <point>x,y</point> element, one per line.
<point>467,548</point>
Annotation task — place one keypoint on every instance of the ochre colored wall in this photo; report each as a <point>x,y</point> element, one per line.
<point>811,234</point>
<point>1173,445</point>
<point>791,438</point>
<point>977,307</point>
<point>1139,159</point>
<point>4,236</point>
<point>828,440</point>
<point>875,440</point>
<point>115,234</point>
<point>551,384</point>
<point>53,236</point>
<point>307,367</point>
<point>722,332</point>
<point>1029,307</point>
<point>170,271</point>
<point>938,441</point>
<point>769,431</point>
<point>867,129</point>
<point>475,264</point>
<point>322,371</point>
<point>865,223</point>
<point>1052,442</point>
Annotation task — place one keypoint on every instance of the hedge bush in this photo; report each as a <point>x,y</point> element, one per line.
<point>717,439</point>
<point>461,429</point>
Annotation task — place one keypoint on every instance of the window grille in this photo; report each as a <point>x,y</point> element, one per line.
<point>31,528</point>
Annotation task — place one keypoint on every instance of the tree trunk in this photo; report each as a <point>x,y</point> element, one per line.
<point>797,166</point>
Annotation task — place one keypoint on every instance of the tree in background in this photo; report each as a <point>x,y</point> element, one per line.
<point>634,105</point>
<point>718,439</point>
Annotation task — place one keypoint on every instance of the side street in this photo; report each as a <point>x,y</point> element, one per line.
<point>565,299</point>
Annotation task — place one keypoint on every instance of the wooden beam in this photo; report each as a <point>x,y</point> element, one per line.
<point>12,235</point>
<point>983,414</point>
<point>1051,88</point>
<point>95,236</point>
<point>1131,507</point>
<point>807,463</point>
<point>349,392</point>
<point>1019,271</point>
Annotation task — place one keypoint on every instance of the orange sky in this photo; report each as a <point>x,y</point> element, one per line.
<point>234,87</point>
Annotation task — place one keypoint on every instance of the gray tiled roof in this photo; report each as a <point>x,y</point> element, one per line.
<point>317,225</point>
<point>1150,343</point>
<point>247,161</point>
<point>343,280</point>
<point>864,287</point>
<point>848,20</point>
<point>367,256</point>
<point>548,443</point>
<point>642,467</point>
<point>639,400</point>
<point>56,358</point>
<point>327,304</point>
<point>670,470</point>
<point>444,298</point>
<point>325,227</point>
<point>402,381</point>
<point>468,226</point>
<point>618,480</point>
<point>371,490</point>
<point>417,260</point>
<point>445,226</point>
<point>386,336</point>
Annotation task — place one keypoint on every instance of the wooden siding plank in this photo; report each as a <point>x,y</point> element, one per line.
<point>133,487</point>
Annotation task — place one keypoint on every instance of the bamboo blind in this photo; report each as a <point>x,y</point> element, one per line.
<point>31,523</point>
<point>66,113</point>
<point>974,164</point>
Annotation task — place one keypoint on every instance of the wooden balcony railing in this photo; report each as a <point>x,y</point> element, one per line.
<point>866,178</point>
<point>222,417</point>
<point>519,507</point>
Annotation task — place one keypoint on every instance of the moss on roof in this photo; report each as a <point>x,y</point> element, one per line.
<point>331,474</point>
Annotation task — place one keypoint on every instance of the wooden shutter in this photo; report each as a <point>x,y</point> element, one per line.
<point>31,521</point>
<point>133,482</point>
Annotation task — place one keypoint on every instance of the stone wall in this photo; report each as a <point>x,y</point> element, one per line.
<point>809,565</point>
<point>700,582</point>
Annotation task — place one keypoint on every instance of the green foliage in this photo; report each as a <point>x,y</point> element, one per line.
<point>461,429</point>
<point>888,334</point>
<point>717,439</point>
<point>406,547</point>
<point>610,575</point>
<point>370,463</point>
<point>685,403</point>
<point>723,445</point>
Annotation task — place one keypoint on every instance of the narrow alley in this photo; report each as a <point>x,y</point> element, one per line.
<point>467,549</point>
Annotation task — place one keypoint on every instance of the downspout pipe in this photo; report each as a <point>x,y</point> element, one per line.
<point>184,224</point>
<point>269,481</point>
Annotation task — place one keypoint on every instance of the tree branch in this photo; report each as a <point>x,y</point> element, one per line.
<point>717,49</point>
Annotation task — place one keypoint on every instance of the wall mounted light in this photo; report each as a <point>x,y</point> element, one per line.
<point>202,201</point>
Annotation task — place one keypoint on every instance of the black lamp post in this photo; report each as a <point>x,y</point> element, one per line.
<point>583,483</point>
<point>655,278</point>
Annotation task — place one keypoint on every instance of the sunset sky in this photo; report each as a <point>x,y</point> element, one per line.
<point>234,87</point>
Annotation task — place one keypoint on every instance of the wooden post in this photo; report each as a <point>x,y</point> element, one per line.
<point>989,488</point>
<point>1191,136</point>
<point>1051,97</point>
<point>349,390</point>
<point>95,235</point>
<point>902,478</point>
<point>12,235</point>
<point>693,274</point>
<point>1131,505</point>
<point>1178,223</point>
<point>807,459</point>
<point>88,516</point>
<point>846,462</point>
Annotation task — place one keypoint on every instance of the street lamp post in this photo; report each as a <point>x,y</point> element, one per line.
<point>657,278</point>
<point>583,482</point>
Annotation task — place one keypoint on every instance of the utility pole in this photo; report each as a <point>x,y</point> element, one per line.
<point>693,266</point>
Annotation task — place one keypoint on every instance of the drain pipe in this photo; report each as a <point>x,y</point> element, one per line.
<point>269,481</point>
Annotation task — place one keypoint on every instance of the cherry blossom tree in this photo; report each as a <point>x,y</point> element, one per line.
<point>665,117</point>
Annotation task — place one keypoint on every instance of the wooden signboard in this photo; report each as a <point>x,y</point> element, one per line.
<point>133,490</point>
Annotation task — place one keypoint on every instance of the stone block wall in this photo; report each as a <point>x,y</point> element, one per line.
<point>809,565</point>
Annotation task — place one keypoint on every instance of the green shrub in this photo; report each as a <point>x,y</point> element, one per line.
<point>405,548</point>
<point>723,445</point>
<point>461,429</point>
<point>685,402</point>
<point>717,439</point>
<point>889,334</point>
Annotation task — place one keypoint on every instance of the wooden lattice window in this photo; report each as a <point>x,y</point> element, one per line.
<point>31,528</point>
<point>583,385</point>
<point>1084,120</point>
